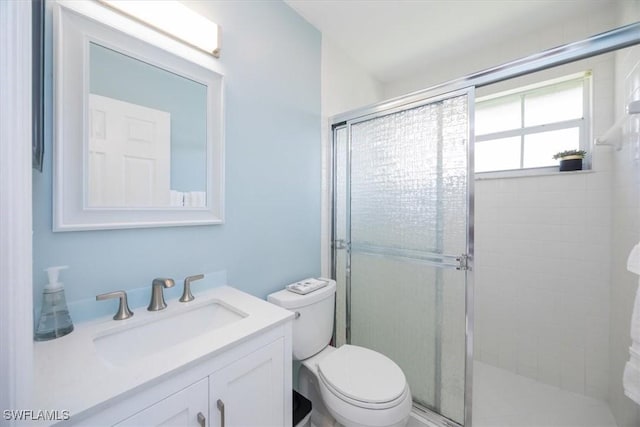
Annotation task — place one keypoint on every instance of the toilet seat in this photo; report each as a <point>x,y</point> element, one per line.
<point>361,404</point>
<point>363,378</point>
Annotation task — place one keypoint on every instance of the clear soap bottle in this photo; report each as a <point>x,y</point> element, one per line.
<point>55,320</point>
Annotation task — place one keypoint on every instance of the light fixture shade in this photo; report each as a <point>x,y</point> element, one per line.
<point>174,19</point>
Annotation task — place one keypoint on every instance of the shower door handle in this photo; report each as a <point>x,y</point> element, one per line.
<point>463,262</point>
<point>340,244</point>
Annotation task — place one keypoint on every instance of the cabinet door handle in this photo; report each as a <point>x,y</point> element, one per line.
<point>202,420</point>
<point>220,405</point>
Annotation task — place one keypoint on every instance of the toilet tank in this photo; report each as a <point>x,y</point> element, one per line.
<point>313,327</point>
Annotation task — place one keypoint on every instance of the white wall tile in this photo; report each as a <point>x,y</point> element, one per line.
<point>596,383</point>
<point>599,181</point>
<point>527,364</point>
<point>547,277</point>
<point>572,371</point>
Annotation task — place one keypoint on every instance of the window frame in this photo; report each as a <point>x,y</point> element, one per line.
<point>583,124</point>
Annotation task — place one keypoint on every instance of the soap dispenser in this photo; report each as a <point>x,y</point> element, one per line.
<point>54,320</point>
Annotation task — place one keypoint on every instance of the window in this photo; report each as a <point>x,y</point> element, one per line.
<point>524,128</point>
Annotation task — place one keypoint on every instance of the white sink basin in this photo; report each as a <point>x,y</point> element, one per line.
<point>151,336</point>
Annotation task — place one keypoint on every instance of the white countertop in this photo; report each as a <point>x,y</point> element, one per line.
<point>69,373</point>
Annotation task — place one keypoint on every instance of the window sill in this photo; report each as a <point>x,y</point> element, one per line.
<point>527,173</point>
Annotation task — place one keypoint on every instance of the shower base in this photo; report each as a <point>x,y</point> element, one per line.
<point>502,398</point>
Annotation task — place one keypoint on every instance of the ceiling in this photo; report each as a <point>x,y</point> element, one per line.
<point>393,39</point>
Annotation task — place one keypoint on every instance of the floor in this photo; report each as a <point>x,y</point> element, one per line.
<point>504,399</point>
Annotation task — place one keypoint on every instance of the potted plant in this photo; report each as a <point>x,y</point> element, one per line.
<point>570,160</point>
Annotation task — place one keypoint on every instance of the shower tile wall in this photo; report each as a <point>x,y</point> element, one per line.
<point>542,277</point>
<point>542,246</point>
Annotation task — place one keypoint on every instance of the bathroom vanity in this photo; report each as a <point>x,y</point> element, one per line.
<point>223,359</point>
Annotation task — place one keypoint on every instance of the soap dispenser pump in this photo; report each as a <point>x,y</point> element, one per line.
<point>54,320</point>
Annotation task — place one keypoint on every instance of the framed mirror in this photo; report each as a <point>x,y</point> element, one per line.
<point>138,125</point>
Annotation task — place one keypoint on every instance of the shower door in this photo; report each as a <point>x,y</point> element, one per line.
<point>402,225</point>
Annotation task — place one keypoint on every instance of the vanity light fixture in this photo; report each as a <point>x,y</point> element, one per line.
<point>174,19</point>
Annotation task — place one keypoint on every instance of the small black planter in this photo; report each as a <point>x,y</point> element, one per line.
<point>571,164</point>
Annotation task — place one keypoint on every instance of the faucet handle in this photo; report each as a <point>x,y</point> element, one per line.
<point>186,293</point>
<point>157,296</point>
<point>123,309</point>
<point>165,283</point>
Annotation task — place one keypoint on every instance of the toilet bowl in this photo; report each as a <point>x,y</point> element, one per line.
<point>350,385</point>
<point>360,387</point>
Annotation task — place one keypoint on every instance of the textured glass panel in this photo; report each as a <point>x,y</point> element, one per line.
<point>453,197</point>
<point>498,154</point>
<point>401,308</point>
<point>453,344</point>
<point>340,232</point>
<point>341,182</point>
<point>539,148</point>
<point>393,312</point>
<point>497,115</point>
<point>554,103</point>
<point>409,172</point>
<point>409,193</point>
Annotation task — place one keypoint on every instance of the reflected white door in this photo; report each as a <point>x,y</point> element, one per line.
<point>129,154</point>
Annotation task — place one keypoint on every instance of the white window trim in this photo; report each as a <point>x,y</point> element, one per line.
<point>527,172</point>
<point>547,127</point>
<point>583,124</point>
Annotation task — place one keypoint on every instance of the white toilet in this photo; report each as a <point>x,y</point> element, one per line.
<point>352,385</point>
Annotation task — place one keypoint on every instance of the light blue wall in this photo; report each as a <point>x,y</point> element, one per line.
<point>271,62</point>
<point>121,77</point>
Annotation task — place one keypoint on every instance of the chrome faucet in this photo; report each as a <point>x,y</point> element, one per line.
<point>157,296</point>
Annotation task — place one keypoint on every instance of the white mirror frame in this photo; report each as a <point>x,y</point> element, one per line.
<point>76,24</point>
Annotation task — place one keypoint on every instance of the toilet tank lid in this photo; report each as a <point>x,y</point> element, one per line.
<point>288,299</point>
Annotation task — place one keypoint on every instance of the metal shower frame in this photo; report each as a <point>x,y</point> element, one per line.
<point>609,41</point>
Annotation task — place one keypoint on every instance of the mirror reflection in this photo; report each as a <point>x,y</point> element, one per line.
<point>147,134</point>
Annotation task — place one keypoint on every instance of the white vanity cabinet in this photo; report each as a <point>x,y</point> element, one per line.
<point>187,408</point>
<point>252,382</point>
<point>250,391</point>
<point>165,368</point>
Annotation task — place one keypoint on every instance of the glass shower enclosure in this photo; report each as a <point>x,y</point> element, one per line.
<point>402,244</point>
